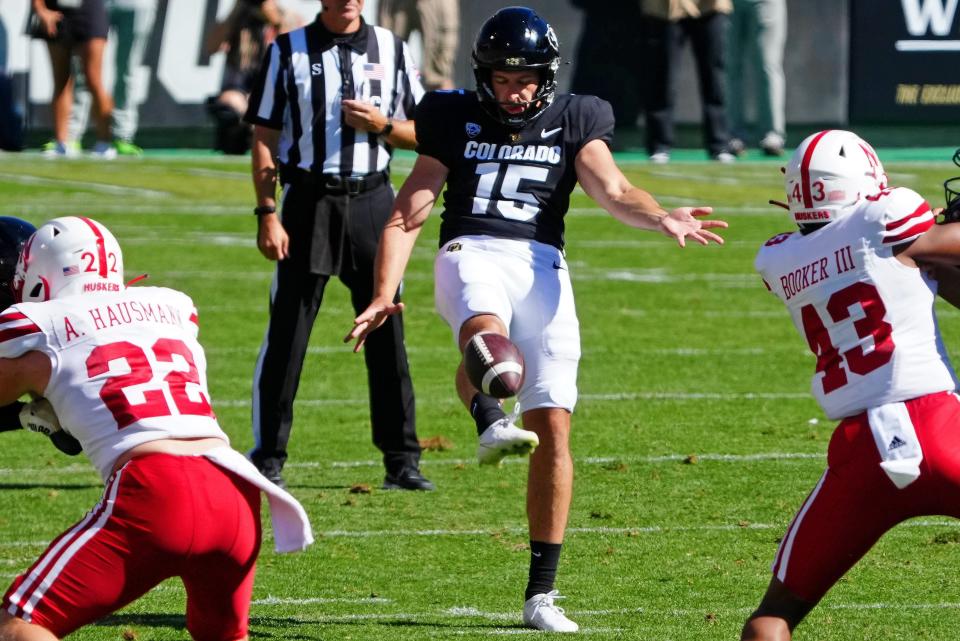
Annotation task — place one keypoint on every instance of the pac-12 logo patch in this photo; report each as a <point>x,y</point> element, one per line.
<point>473,129</point>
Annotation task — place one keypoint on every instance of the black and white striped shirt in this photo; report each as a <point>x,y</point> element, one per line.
<point>300,86</point>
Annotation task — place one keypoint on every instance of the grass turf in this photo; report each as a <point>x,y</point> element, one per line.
<point>695,437</point>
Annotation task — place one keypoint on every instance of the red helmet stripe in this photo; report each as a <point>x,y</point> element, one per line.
<point>805,169</point>
<point>101,247</point>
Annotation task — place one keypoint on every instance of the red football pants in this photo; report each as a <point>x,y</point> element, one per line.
<point>160,516</point>
<point>855,502</point>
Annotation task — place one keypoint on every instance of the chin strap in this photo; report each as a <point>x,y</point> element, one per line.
<point>136,280</point>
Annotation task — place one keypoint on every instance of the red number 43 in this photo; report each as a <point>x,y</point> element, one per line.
<point>140,372</point>
<point>829,359</point>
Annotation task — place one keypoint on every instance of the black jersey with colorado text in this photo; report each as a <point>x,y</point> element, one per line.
<point>504,182</point>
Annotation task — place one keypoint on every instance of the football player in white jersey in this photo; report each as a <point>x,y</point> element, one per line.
<point>36,415</point>
<point>851,281</point>
<point>124,372</point>
<point>510,155</point>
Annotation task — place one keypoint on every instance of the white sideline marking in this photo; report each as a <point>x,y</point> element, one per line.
<point>273,600</point>
<point>661,276</point>
<point>646,529</point>
<point>586,460</point>
<point>616,396</point>
<point>446,349</point>
<point>113,190</point>
<point>629,243</point>
<point>514,530</point>
<point>515,616</point>
<point>769,211</point>
<point>732,313</point>
<point>175,209</point>
<point>244,275</point>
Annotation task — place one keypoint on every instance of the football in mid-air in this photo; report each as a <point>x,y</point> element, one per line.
<point>494,364</point>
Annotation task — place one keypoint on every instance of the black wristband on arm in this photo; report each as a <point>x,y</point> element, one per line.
<point>263,210</point>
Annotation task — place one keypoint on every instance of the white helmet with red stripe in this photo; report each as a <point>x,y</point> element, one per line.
<point>68,256</point>
<point>829,173</point>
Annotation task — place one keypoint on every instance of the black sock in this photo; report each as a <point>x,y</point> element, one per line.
<point>485,410</point>
<point>544,558</point>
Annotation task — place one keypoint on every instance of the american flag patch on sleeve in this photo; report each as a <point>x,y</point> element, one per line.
<point>71,270</point>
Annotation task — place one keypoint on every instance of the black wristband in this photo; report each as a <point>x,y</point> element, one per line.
<point>387,128</point>
<point>263,210</point>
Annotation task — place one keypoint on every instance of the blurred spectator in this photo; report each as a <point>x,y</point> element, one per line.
<point>607,64</point>
<point>667,27</point>
<point>131,23</point>
<point>11,115</point>
<point>758,34</point>
<point>75,27</point>
<point>438,22</point>
<point>244,35</point>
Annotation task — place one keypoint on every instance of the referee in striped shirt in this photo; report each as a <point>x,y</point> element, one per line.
<point>331,102</point>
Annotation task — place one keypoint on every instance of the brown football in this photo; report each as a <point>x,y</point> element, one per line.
<point>494,364</point>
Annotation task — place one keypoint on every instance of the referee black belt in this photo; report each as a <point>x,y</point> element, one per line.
<point>333,183</point>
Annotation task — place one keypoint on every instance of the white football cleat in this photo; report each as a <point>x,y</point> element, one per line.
<point>503,438</point>
<point>540,613</point>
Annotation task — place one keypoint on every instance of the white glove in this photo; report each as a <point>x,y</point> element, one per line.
<point>38,416</point>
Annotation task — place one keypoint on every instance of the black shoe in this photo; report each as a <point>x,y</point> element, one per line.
<point>271,470</point>
<point>408,478</point>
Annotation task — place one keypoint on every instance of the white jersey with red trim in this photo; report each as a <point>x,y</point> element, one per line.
<point>126,367</point>
<point>867,317</point>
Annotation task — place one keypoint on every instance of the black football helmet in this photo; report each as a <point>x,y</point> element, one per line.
<point>13,235</point>
<point>516,39</point>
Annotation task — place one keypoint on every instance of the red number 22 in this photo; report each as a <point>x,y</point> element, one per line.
<point>154,401</point>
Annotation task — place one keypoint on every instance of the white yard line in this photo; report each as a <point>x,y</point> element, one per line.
<point>513,616</point>
<point>106,188</point>
<point>608,397</point>
<point>517,530</point>
<point>274,600</point>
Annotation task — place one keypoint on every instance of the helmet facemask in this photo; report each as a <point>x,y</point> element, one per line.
<point>951,193</point>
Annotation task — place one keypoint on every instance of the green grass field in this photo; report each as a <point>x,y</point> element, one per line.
<point>695,437</point>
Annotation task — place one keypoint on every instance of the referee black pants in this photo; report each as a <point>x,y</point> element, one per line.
<point>295,300</point>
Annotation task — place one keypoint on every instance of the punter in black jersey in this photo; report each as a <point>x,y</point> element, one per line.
<point>510,154</point>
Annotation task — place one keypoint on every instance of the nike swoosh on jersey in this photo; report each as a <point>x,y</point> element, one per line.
<point>546,134</point>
